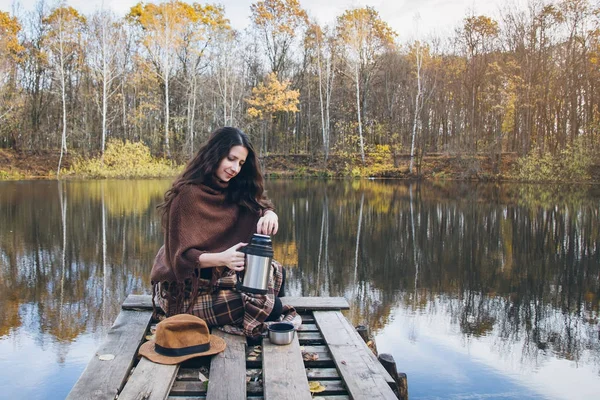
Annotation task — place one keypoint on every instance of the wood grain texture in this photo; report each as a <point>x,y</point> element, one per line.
<point>228,369</point>
<point>149,381</point>
<point>137,302</point>
<point>317,303</point>
<point>363,375</point>
<point>284,376</point>
<point>104,379</point>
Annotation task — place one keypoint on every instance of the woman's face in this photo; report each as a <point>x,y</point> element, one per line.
<point>231,164</point>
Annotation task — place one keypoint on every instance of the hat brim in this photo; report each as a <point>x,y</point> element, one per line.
<point>148,350</point>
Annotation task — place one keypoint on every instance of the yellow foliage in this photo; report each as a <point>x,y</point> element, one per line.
<point>123,160</point>
<point>286,253</point>
<point>279,16</point>
<point>122,197</point>
<point>9,41</point>
<point>271,97</point>
<point>363,30</point>
<point>171,25</point>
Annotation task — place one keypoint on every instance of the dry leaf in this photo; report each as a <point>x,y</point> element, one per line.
<point>316,387</point>
<point>252,358</point>
<point>201,377</point>
<point>307,356</point>
<point>344,362</point>
<point>106,357</point>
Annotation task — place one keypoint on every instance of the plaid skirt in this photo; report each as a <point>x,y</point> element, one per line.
<point>222,304</point>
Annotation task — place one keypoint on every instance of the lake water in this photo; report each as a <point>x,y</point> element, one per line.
<point>478,291</point>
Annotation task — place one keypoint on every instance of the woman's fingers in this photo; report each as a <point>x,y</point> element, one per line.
<point>234,259</point>
<point>267,225</point>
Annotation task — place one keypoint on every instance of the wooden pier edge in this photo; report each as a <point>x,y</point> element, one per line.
<point>400,386</point>
<point>344,347</point>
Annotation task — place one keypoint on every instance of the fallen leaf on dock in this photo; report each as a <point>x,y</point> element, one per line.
<point>106,357</point>
<point>307,356</point>
<point>316,387</point>
<point>252,358</point>
<point>344,362</point>
<point>201,377</point>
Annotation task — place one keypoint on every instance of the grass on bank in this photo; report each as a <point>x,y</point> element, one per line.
<point>573,164</point>
<point>134,160</point>
<point>11,175</point>
<point>123,160</point>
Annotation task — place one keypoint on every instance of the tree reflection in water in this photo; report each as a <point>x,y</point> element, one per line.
<point>517,263</point>
<point>520,262</point>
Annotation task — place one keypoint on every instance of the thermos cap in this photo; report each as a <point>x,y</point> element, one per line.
<point>260,245</point>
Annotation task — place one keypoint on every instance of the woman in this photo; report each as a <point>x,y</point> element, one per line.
<point>211,210</point>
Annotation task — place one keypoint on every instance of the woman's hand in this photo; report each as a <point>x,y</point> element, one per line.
<point>268,223</point>
<point>232,258</point>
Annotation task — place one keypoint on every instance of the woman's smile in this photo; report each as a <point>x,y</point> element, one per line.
<point>231,165</point>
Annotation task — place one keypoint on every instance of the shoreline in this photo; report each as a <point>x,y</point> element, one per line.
<point>41,165</point>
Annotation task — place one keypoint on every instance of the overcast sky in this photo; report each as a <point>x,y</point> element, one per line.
<point>436,16</point>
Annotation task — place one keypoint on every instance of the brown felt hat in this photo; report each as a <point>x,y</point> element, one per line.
<point>179,338</point>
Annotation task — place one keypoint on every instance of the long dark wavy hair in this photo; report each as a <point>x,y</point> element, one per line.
<point>245,189</point>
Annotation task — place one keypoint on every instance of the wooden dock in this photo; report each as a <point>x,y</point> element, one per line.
<point>326,350</point>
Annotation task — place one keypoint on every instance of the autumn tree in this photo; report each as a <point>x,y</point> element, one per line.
<point>66,52</point>
<point>228,74</point>
<point>278,22</point>
<point>322,46</point>
<point>161,26</point>
<point>201,26</point>
<point>364,37</point>
<point>478,36</point>
<point>11,52</point>
<point>269,98</point>
<point>106,61</point>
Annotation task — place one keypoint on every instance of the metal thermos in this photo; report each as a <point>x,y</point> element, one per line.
<point>259,254</point>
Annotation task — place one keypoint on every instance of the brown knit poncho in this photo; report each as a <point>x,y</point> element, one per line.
<point>200,220</point>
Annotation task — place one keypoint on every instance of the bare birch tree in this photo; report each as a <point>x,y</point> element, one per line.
<point>106,39</point>
<point>65,38</point>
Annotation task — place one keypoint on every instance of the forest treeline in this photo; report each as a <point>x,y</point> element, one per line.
<point>167,74</point>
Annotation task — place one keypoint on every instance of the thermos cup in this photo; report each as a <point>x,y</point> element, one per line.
<point>259,254</point>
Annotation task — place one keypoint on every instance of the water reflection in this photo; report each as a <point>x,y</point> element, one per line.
<point>507,272</point>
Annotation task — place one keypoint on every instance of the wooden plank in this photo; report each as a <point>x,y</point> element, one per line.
<point>104,379</point>
<point>315,374</point>
<point>317,303</point>
<point>307,318</point>
<point>284,376</point>
<point>227,379</point>
<point>149,381</point>
<point>362,373</point>
<point>188,388</point>
<point>137,302</point>
<point>144,302</point>
<point>197,388</point>
<point>331,388</point>
<point>308,328</point>
<point>310,338</point>
<point>355,338</point>
<point>324,359</point>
